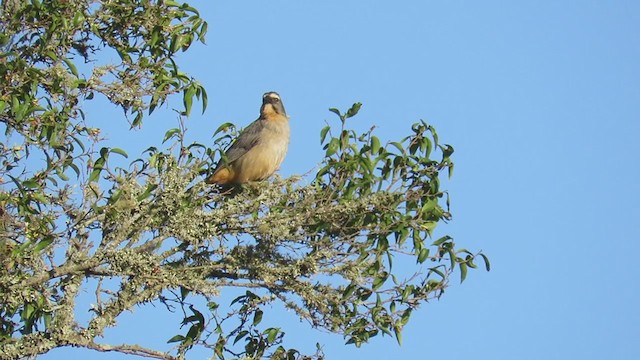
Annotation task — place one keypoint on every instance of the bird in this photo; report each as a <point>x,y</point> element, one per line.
<point>259,149</point>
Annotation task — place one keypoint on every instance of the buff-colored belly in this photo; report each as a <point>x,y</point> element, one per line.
<point>260,162</point>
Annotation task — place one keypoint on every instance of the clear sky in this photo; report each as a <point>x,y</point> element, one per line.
<point>541,101</point>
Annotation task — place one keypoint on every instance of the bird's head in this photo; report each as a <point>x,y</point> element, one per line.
<point>272,105</point>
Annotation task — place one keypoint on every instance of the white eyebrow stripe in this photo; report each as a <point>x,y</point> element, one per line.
<point>272,95</point>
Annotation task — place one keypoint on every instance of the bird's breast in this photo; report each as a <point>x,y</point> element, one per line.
<point>275,139</point>
<point>263,159</point>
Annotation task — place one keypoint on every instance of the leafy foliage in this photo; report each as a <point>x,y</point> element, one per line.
<point>351,251</point>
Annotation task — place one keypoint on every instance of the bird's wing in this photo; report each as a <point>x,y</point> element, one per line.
<point>247,139</point>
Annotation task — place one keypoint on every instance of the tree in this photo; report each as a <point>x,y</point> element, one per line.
<point>73,218</point>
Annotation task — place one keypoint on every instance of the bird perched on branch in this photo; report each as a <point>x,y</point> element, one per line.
<point>259,149</point>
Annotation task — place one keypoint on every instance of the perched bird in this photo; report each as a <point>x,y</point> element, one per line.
<point>259,149</point>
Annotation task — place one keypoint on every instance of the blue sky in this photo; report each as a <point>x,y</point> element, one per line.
<point>542,104</point>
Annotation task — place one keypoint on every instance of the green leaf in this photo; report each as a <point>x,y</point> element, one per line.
<point>380,280</point>
<point>335,111</point>
<point>30,184</point>
<point>272,333</point>
<point>238,299</point>
<point>194,333</point>
<point>94,174</point>
<point>441,240</point>
<point>170,133</point>
<point>119,152</point>
<point>61,174</point>
<point>406,315</point>
<point>469,261</point>
<point>147,192</point>
<point>188,99</point>
<point>353,111</point>
<point>398,332</point>
<point>28,311</point>
<point>257,317</point>
<point>437,271</point>
<point>375,144</point>
<point>323,133</point>
<point>405,295</point>
<point>184,292</point>
<point>429,226</point>
<point>114,197</point>
<point>224,127</point>
<point>213,306</point>
<point>487,264</point>
<point>175,43</point>
<point>240,335</point>
<point>124,56</point>
<point>348,291</point>
<point>219,347</point>
<point>205,98</point>
<point>425,146</point>
<point>251,295</point>
<point>176,338</point>
<point>424,255</point>
<point>43,244</point>
<point>71,66</point>
<point>75,169</point>
<point>398,146</point>
<point>203,31</point>
<point>447,150</point>
<point>138,120</point>
<point>452,258</point>
<point>332,147</point>
<point>463,271</point>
